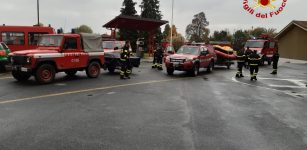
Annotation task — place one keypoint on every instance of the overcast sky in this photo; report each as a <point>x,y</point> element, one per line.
<point>222,14</point>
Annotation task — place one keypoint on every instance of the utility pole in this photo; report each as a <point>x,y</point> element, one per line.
<point>38,12</point>
<point>171,40</point>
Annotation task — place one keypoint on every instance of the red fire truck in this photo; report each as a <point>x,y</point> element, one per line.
<point>23,37</point>
<point>265,46</point>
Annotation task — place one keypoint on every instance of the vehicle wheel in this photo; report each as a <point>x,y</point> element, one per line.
<point>20,76</point>
<point>45,74</point>
<point>209,68</point>
<point>195,71</point>
<point>71,72</point>
<point>2,68</point>
<point>269,62</point>
<point>228,66</point>
<point>93,70</point>
<point>170,71</point>
<point>111,69</point>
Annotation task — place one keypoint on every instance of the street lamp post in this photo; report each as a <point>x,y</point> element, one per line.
<point>38,12</point>
<point>171,40</point>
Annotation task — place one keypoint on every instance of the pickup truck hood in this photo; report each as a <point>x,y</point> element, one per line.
<point>182,56</point>
<point>34,51</point>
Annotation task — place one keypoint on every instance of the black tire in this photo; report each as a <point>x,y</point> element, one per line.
<point>45,74</point>
<point>21,76</point>
<point>111,69</point>
<point>228,66</point>
<point>269,62</point>
<point>93,70</point>
<point>170,71</point>
<point>2,68</point>
<point>210,67</point>
<point>71,72</point>
<point>195,71</point>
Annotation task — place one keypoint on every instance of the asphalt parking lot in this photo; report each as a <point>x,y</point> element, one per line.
<point>154,111</point>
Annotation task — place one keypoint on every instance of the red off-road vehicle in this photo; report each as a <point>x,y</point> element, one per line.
<point>265,47</point>
<point>67,53</point>
<point>191,58</point>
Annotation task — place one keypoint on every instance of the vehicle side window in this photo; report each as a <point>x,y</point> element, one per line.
<point>34,37</point>
<point>13,38</point>
<point>70,43</point>
<point>266,45</point>
<point>272,44</point>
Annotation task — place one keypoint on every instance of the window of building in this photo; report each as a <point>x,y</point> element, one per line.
<point>13,38</point>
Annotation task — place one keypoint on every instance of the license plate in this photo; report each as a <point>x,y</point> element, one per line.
<point>23,69</point>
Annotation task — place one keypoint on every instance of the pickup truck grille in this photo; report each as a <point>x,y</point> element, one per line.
<point>177,60</point>
<point>19,60</point>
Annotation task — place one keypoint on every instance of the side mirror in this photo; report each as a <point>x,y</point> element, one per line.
<point>115,48</point>
<point>170,52</point>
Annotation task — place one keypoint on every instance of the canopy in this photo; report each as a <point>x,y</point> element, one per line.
<point>135,23</point>
<point>92,42</point>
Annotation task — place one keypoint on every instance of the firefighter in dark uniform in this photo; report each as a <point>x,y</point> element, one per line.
<point>241,58</point>
<point>247,53</point>
<point>254,61</point>
<point>275,60</point>
<point>125,62</point>
<point>158,58</point>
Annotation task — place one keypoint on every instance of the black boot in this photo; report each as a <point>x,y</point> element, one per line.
<point>241,75</point>
<point>237,76</point>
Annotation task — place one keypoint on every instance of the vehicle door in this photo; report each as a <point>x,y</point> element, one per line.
<point>71,54</point>
<point>204,57</point>
<point>271,49</point>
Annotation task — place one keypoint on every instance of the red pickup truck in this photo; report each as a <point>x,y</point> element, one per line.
<point>67,53</point>
<point>191,58</point>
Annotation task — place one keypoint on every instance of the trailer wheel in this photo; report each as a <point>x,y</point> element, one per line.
<point>170,71</point>
<point>93,70</point>
<point>20,76</point>
<point>111,69</point>
<point>45,74</point>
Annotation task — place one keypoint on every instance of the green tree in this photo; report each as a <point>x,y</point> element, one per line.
<point>239,39</point>
<point>257,31</point>
<point>166,32</point>
<point>197,31</point>
<point>128,9</point>
<point>84,29</point>
<point>151,9</point>
<point>223,35</point>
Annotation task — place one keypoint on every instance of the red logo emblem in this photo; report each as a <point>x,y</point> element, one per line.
<point>264,8</point>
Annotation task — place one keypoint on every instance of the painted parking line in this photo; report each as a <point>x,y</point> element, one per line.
<point>4,78</point>
<point>234,79</point>
<point>88,90</point>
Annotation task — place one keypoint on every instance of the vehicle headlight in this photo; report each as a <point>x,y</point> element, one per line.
<point>188,59</point>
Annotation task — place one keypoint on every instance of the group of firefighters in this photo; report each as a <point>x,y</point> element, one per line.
<point>252,60</point>
<point>248,58</point>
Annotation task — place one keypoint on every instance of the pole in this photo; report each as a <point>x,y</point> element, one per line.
<point>38,12</point>
<point>171,40</point>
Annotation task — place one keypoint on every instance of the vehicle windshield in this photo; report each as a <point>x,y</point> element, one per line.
<point>188,50</point>
<point>50,40</point>
<point>113,44</point>
<point>254,44</point>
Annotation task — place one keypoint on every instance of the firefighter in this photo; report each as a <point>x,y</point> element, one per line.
<point>247,53</point>
<point>125,63</point>
<point>158,58</point>
<point>275,60</point>
<point>241,58</point>
<point>254,61</point>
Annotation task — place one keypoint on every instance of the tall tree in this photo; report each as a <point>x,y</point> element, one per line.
<point>128,9</point>
<point>84,29</point>
<point>197,31</point>
<point>166,32</point>
<point>223,35</point>
<point>239,39</point>
<point>151,9</point>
